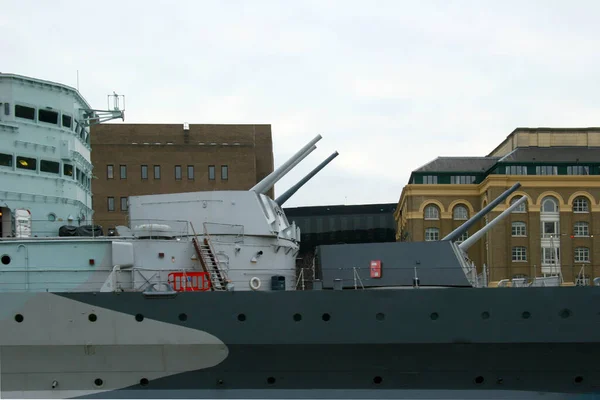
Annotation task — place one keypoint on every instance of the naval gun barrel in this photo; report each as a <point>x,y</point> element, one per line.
<point>290,192</point>
<point>455,234</point>
<point>464,246</point>
<point>267,183</point>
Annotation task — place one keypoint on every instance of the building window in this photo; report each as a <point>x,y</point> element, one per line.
<point>111,204</point>
<point>432,212</point>
<point>460,213</point>
<point>26,163</point>
<point>519,253</point>
<point>462,180</point>
<point>582,254</point>
<point>66,121</point>
<point>581,205</point>
<point>463,237</point>
<point>25,112</point>
<point>549,205</point>
<point>178,172</point>
<point>549,229</point>
<point>157,172</point>
<point>550,255</point>
<point>211,172</point>
<point>546,170</point>
<point>516,170</point>
<point>123,171</point>
<point>578,170</point>
<point>144,172</point>
<point>110,172</point>
<point>521,208</point>
<point>123,203</point>
<point>224,172</point>
<point>47,116</point>
<point>6,160</point>
<point>430,179</point>
<point>67,170</point>
<point>190,172</point>
<point>50,166</point>
<point>581,228</point>
<point>432,234</point>
<point>519,229</point>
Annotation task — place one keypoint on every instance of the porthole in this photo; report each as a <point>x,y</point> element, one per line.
<point>19,318</point>
<point>380,316</point>
<point>183,317</point>
<point>377,380</point>
<point>326,317</point>
<point>5,259</point>
<point>479,380</point>
<point>526,315</point>
<point>51,217</point>
<point>241,317</point>
<point>92,317</point>
<point>98,382</point>
<point>434,316</point>
<point>139,317</point>
<point>578,379</point>
<point>144,382</point>
<point>270,380</point>
<point>297,317</point>
<point>566,313</point>
<point>485,315</point>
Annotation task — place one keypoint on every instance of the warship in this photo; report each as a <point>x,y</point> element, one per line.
<point>197,297</point>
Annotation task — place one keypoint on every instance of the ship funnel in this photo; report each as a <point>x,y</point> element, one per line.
<point>291,191</point>
<point>464,246</point>
<point>455,234</point>
<point>267,183</point>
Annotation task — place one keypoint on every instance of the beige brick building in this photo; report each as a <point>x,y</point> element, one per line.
<point>556,232</point>
<point>140,159</point>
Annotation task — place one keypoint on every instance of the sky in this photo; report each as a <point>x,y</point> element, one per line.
<point>390,85</point>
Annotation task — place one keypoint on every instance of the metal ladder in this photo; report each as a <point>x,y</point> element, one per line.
<point>210,264</point>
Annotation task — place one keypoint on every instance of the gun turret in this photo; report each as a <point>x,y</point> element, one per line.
<point>464,246</point>
<point>455,234</point>
<point>290,192</point>
<point>267,183</point>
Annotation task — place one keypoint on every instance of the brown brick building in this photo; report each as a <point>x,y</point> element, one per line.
<point>139,159</point>
<point>556,232</point>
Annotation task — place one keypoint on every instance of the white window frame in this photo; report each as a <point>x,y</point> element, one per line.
<point>432,234</point>
<point>427,213</point>
<point>581,255</point>
<point>519,253</point>
<point>581,205</point>
<point>581,229</point>
<point>517,227</point>
<point>460,213</point>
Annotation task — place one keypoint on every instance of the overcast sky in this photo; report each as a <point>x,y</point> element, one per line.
<point>389,84</point>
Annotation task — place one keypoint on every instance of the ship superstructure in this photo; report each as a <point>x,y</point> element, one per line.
<point>45,156</point>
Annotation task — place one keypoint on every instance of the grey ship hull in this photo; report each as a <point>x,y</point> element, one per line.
<point>375,343</point>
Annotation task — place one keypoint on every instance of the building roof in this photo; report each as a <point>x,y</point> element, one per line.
<point>547,130</point>
<point>459,164</point>
<point>553,154</point>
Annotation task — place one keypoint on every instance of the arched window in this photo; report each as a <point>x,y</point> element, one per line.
<point>432,234</point>
<point>432,212</point>
<point>581,205</point>
<point>460,213</point>
<point>549,205</point>
<point>521,208</point>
